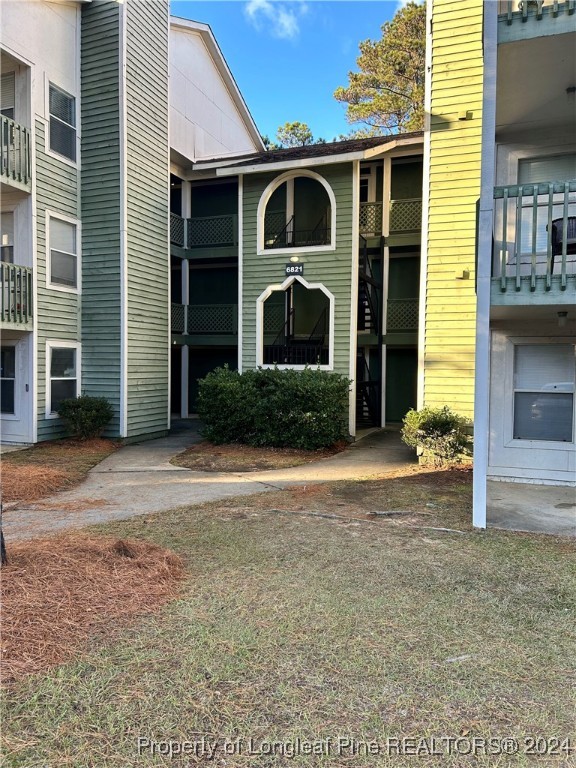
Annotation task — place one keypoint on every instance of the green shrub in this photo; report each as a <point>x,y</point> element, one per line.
<point>270,407</point>
<point>440,434</point>
<point>85,416</point>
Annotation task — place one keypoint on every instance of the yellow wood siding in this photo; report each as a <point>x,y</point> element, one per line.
<point>454,188</point>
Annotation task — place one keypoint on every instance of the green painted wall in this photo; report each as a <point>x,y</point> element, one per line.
<point>332,268</point>
<point>147,184</point>
<point>58,312</point>
<point>406,180</point>
<point>100,186</point>
<point>214,286</point>
<point>214,199</point>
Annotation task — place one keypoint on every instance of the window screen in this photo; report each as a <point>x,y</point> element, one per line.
<point>63,257</point>
<point>63,379</point>
<point>7,95</point>
<point>544,377</point>
<point>62,123</point>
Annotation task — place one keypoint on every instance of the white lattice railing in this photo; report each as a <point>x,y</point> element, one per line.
<point>405,215</point>
<point>370,218</point>
<point>402,315</point>
<point>207,231</point>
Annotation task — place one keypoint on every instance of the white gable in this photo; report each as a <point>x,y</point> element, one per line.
<point>208,117</point>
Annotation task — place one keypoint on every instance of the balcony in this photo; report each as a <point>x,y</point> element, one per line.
<point>279,233</point>
<point>15,162</point>
<point>370,219</point>
<point>402,316</point>
<point>205,320</point>
<point>523,19</point>
<point>204,231</point>
<point>534,257</point>
<point>16,297</point>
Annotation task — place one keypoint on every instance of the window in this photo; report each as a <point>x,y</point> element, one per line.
<point>63,238</point>
<point>297,211</point>
<point>62,364</point>
<point>544,378</point>
<point>7,237</point>
<point>62,123</point>
<point>296,325</point>
<point>7,380</point>
<point>7,95</point>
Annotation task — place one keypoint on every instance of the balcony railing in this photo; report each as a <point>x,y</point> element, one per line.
<point>205,319</point>
<point>535,235</point>
<point>370,218</point>
<point>16,294</point>
<point>402,315</point>
<point>521,9</point>
<point>406,215</point>
<point>15,163</point>
<point>204,231</point>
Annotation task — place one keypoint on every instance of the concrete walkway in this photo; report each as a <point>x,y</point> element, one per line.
<point>139,480</point>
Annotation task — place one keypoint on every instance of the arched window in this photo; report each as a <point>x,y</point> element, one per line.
<point>296,321</point>
<point>297,211</point>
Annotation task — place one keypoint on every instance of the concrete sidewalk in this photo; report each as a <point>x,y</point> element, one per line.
<point>139,480</point>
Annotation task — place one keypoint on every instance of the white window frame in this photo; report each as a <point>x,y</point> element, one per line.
<point>58,344</point>
<point>263,203</point>
<point>509,440</point>
<point>76,223</point>
<point>47,148</point>
<point>260,324</point>
<point>16,416</point>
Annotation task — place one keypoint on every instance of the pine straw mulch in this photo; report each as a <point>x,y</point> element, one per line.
<point>58,592</point>
<point>49,467</point>
<point>236,457</point>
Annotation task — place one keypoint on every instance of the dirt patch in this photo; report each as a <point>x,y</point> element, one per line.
<point>57,592</point>
<point>207,457</point>
<point>49,467</point>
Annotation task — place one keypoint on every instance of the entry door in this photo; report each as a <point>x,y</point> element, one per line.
<point>15,396</point>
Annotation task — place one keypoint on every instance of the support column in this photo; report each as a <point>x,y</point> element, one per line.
<point>184,374</point>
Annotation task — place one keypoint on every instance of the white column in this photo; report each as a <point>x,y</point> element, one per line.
<point>484,270</point>
<point>386,196</point>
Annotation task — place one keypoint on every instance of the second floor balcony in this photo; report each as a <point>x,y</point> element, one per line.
<point>405,217</point>
<point>206,322</point>
<point>15,154</point>
<point>202,232</point>
<point>534,254</point>
<point>16,297</point>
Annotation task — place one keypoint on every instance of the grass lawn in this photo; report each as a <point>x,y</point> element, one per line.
<point>45,468</point>
<point>294,625</point>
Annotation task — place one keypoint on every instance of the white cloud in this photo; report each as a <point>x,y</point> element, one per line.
<point>277,18</point>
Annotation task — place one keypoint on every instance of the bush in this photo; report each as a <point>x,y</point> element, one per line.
<point>85,416</point>
<point>279,408</point>
<point>439,433</point>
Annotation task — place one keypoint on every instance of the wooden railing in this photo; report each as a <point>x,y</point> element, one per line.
<point>15,162</point>
<point>402,315</point>
<point>406,215</point>
<point>534,234</point>
<point>370,218</point>
<point>205,319</point>
<point>204,231</point>
<point>177,230</point>
<point>521,9</point>
<point>16,294</point>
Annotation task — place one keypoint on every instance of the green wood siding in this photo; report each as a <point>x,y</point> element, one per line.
<point>101,290</point>
<point>58,312</point>
<point>147,184</point>
<point>331,268</point>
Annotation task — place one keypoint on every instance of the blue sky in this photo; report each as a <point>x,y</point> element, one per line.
<point>288,57</point>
